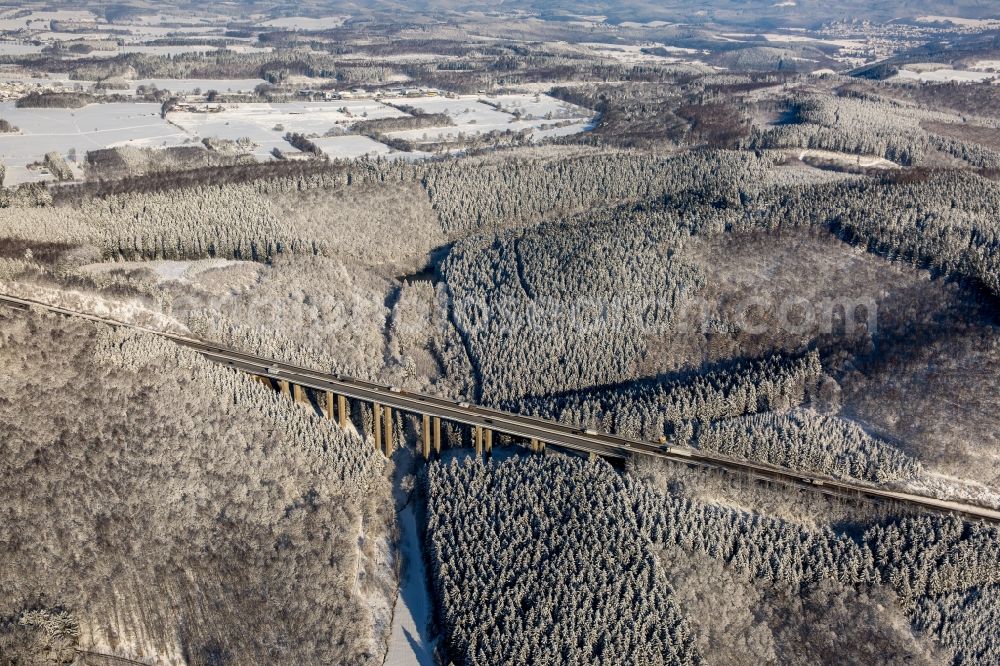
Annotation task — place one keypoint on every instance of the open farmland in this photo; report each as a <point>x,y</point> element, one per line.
<point>79,130</point>
<point>346,147</point>
<point>267,124</point>
<point>475,115</point>
<point>327,123</point>
<point>946,74</point>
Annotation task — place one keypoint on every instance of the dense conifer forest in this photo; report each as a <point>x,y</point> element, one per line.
<point>491,561</point>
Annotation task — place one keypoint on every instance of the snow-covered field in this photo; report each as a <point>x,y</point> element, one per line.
<point>986,66</point>
<point>473,116</point>
<point>847,159</point>
<point>92,127</point>
<point>946,75</point>
<point>267,124</point>
<point>464,110</point>
<point>963,22</point>
<point>180,49</point>
<point>107,125</point>
<point>41,20</point>
<point>18,48</point>
<point>306,23</point>
<point>633,53</point>
<point>539,106</point>
<point>134,31</point>
<point>546,132</point>
<point>648,24</point>
<point>349,146</point>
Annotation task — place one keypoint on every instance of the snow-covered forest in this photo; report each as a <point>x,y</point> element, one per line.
<point>146,484</point>
<point>541,534</point>
<point>760,234</point>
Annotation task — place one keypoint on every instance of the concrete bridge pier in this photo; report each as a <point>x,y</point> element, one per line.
<point>342,413</point>
<point>488,442</point>
<point>284,388</point>
<point>425,435</point>
<point>437,436</point>
<point>377,425</point>
<point>477,436</point>
<point>387,413</point>
<point>299,395</point>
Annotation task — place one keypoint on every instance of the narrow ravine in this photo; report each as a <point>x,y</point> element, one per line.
<point>410,642</point>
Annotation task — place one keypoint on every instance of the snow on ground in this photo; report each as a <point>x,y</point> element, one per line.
<point>160,19</point>
<point>461,129</point>
<point>841,43</point>
<point>945,75</point>
<point>549,131</point>
<point>469,115</point>
<point>463,110</point>
<point>986,65</point>
<point>947,487</point>
<point>473,116</point>
<point>17,49</point>
<point>306,23</point>
<point>128,312</point>
<point>634,53</point>
<point>963,22</point>
<point>89,128</point>
<point>919,67</point>
<point>190,85</point>
<point>42,19</point>
<point>304,117</point>
<point>98,126</point>
<point>409,641</point>
<point>267,124</point>
<point>648,24</point>
<point>143,33</point>
<point>162,50</point>
<point>848,159</point>
<point>166,270</point>
<point>17,175</point>
<point>67,37</point>
<point>540,106</point>
<point>350,145</point>
<point>635,48</point>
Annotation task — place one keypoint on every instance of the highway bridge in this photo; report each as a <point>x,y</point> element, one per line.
<point>537,433</point>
